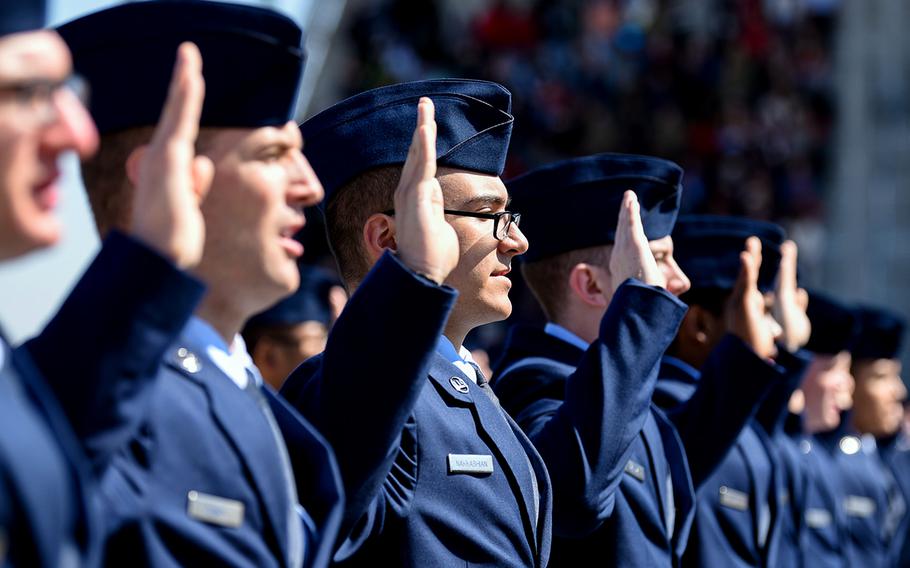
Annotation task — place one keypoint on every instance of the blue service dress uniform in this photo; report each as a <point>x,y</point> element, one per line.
<point>826,537</point>
<point>436,473</point>
<point>783,430</point>
<point>870,500</point>
<point>895,452</point>
<point>217,469</point>
<point>622,493</point>
<point>71,396</point>
<point>735,470</point>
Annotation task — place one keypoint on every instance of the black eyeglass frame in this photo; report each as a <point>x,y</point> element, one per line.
<point>514,219</point>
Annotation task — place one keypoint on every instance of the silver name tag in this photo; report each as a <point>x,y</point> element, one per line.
<point>470,463</point>
<point>818,518</point>
<point>857,506</point>
<point>635,470</point>
<point>214,510</point>
<point>733,499</point>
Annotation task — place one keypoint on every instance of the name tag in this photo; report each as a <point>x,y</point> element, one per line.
<point>733,499</point>
<point>470,463</point>
<point>635,470</point>
<point>857,506</point>
<point>818,518</point>
<point>214,510</point>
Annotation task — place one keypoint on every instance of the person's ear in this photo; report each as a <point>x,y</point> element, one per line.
<point>379,235</point>
<point>589,283</point>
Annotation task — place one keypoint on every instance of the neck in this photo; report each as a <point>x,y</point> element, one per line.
<point>222,315</point>
<point>586,328</point>
<point>455,336</point>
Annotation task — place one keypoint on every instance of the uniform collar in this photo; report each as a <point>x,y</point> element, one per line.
<point>564,334</point>
<point>461,358</point>
<point>233,360</point>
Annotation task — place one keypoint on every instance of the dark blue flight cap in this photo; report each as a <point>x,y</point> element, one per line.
<point>375,128</point>
<point>309,303</point>
<point>834,324</point>
<point>879,335</point>
<point>707,249</point>
<point>252,61</point>
<point>574,204</point>
<point>21,16</point>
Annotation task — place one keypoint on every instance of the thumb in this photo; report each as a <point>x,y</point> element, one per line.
<point>203,173</point>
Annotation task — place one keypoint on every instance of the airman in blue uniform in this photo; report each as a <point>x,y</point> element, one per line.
<point>732,264</point>
<point>73,395</point>
<point>873,503</point>
<point>222,471</point>
<point>461,483</point>
<point>818,534</point>
<point>581,386</point>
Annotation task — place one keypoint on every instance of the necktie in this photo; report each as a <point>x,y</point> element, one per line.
<point>295,525</point>
<point>484,385</point>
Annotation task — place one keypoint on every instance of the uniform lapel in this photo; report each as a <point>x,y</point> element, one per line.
<point>683,490</point>
<point>492,423</point>
<point>316,474</point>
<point>237,414</point>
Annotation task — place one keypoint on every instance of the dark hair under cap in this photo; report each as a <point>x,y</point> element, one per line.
<point>879,335</point>
<point>374,129</point>
<point>21,16</point>
<point>574,204</point>
<point>309,303</point>
<point>707,249</point>
<point>252,61</point>
<point>834,324</point>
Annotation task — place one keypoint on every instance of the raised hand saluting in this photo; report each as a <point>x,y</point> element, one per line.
<point>632,257</point>
<point>426,243</point>
<point>747,314</point>
<point>170,179</point>
<point>791,301</point>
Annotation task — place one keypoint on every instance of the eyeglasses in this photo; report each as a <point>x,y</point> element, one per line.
<point>502,221</point>
<point>37,95</point>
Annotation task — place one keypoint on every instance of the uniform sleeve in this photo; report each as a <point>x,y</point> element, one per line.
<point>734,382</point>
<point>773,410</point>
<point>101,352</point>
<point>584,433</point>
<point>362,390</point>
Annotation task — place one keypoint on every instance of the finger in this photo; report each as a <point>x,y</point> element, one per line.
<point>748,274</point>
<point>753,246</point>
<point>414,162</point>
<point>788,262</point>
<point>203,172</point>
<point>183,107</point>
<point>427,126</point>
<point>624,220</point>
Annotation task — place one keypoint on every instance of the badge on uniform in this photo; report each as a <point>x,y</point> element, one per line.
<point>818,518</point>
<point>859,506</point>
<point>459,385</point>
<point>733,499</point>
<point>636,470</point>
<point>470,463</point>
<point>214,510</point>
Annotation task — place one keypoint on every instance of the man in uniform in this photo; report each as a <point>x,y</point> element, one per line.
<point>872,501</point>
<point>738,493</point>
<point>293,330</point>
<point>826,390</point>
<point>581,387</point>
<point>208,479</point>
<point>73,395</point>
<point>462,484</point>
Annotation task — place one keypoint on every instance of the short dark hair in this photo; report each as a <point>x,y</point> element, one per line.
<point>347,211</point>
<point>109,191</point>
<point>547,278</point>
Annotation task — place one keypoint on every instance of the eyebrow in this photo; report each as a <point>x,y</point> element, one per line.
<point>485,199</point>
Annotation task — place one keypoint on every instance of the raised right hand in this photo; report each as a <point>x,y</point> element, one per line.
<point>171,180</point>
<point>746,312</point>
<point>632,257</point>
<point>426,243</point>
